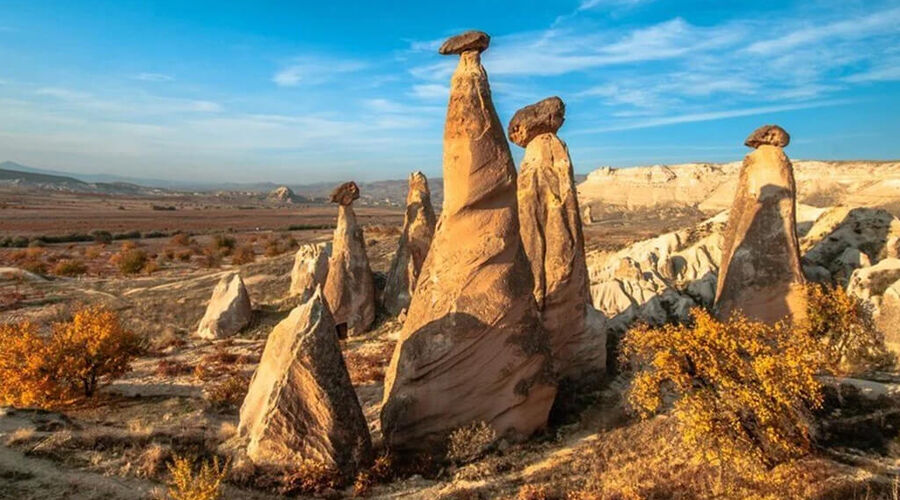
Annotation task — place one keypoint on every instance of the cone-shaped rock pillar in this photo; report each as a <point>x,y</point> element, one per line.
<point>301,404</point>
<point>418,229</point>
<point>554,241</point>
<point>472,348</point>
<point>349,287</point>
<point>760,273</point>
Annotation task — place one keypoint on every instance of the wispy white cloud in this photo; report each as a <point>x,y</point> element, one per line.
<point>314,70</point>
<point>153,77</point>
<point>883,21</point>
<point>710,116</point>
<point>430,91</point>
<point>135,103</point>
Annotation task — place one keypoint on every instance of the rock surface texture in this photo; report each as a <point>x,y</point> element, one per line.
<point>349,287</point>
<point>472,348</point>
<point>760,273</point>
<point>554,241</point>
<point>310,269</point>
<point>228,311</point>
<point>301,404</point>
<point>415,240</point>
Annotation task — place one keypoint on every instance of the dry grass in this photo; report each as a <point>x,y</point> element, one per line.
<point>172,368</point>
<point>471,442</point>
<point>228,393</point>
<point>368,366</point>
<point>206,484</point>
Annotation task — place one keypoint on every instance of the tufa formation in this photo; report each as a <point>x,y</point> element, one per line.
<point>472,348</point>
<point>310,269</point>
<point>301,404</point>
<point>760,273</point>
<point>229,309</point>
<point>418,229</point>
<point>554,242</point>
<point>349,287</point>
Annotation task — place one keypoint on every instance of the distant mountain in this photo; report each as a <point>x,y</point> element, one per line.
<point>14,174</point>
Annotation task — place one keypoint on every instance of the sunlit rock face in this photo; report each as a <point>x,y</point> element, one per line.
<point>472,348</point>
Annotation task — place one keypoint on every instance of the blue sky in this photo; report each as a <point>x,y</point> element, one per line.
<point>298,92</point>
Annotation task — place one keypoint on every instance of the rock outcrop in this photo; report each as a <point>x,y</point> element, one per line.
<point>301,404</point>
<point>283,194</point>
<point>310,269</point>
<point>711,186</point>
<point>415,240</point>
<point>760,273</point>
<point>554,241</point>
<point>472,348</point>
<point>229,309</point>
<point>349,287</point>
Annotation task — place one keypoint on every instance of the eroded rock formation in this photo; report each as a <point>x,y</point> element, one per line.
<point>349,288</point>
<point>760,274</point>
<point>472,348</point>
<point>415,239</point>
<point>310,269</point>
<point>554,242</point>
<point>228,310</point>
<point>301,404</point>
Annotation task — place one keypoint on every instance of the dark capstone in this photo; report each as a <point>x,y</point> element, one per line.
<point>345,193</point>
<point>539,118</point>
<point>470,40</point>
<point>772,135</point>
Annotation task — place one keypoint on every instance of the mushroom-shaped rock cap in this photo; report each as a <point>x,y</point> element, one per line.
<point>470,40</point>
<point>539,118</point>
<point>773,135</point>
<point>345,193</point>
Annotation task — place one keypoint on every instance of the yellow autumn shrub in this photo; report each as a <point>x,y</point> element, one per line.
<point>843,324</point>
<point>206,484</point>
<point>72,361</point>
<point>741,391</point>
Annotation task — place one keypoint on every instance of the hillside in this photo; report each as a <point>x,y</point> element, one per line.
<point>710,186</point>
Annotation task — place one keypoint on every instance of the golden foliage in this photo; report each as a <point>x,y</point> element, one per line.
<point>742,390</point>
<point>470,442</point>
<point>310,478</point>
<point>69,267</point>
<point>229,392</point>
<point>79,354</point>
<point>205,485</point>
<point>843,324</point>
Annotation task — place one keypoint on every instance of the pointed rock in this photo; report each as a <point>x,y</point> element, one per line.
<point>760,272</point>
<point>418,229</point>
<point>472,348</point>
<point>554,241</point>
<point>310,269</point>
<point>349,287</point>
<point>301,404</point>
<point>229,309</point>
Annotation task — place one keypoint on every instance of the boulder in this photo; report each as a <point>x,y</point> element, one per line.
<point>760,273</point>
<point>768,135</point>
<point>301,404</point>
<point>349,287</point>
<point>873,281</point>
<point>542,117</point>
<point>229,309</point>
<point>415,240</point>
<point>472,348</point>
<point>553,239</point>
<point>310,269</point>
<point>477,41</point>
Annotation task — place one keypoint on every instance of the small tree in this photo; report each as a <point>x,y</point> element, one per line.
<point>742,391</point>
<point>90,348</point>
<point>27,378</point>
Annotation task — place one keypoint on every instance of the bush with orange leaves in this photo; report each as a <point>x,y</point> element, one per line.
<point>72,361</point>
<point>742,391</point>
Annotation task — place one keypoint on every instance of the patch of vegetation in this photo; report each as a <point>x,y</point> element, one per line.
<point>69,267</point>
<point>80,355</point>
<point>243,255</point>
<point>206,484</point>
<point>129,260</point>
<point>470,442</point>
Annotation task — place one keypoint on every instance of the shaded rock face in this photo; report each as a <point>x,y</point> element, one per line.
<point>310,269</point>
<point>301,404</point>
<point>542,117</point>
<point>760,272</point>
<point>349,287</point>
<point>415,240</point>
<point>554,242</point>
<point>472,348</point>
<point>229,309</point>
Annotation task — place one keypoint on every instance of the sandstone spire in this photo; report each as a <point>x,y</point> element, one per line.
<point>554,242</point>
<point>760,273</point>
<point>472,348</point>
<point>418,229</point>
<point>349,288</point>
<point>310,269</point>
<point>301,404</point>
